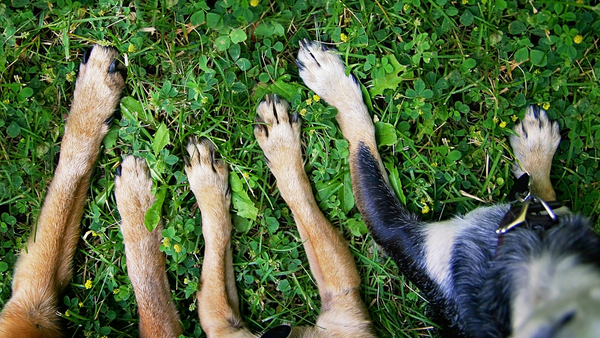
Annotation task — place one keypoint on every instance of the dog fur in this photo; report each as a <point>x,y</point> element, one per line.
<point>43,270</point>
<point>530,282</point>
<point>343,314</point>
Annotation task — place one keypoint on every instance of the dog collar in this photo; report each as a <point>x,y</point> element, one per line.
<point>528,209</point>
<point>281,331</point>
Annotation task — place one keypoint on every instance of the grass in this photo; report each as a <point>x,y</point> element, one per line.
<point>446,82</point>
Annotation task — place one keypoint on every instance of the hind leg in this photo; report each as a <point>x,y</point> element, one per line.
<point>343,313</point>
<point>218,303</point>
<point>534,146</point>
<point>145,261</point>
<point>44,269</point>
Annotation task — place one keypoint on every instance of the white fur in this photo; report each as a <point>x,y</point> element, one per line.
<point>548,289</point>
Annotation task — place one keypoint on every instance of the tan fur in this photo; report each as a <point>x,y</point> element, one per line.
<point>145,261</point>
<point>343,313</point>
<point>43,270</point>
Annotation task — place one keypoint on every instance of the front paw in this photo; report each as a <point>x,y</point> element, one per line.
<point>98,90</point>
<point>278,134</point>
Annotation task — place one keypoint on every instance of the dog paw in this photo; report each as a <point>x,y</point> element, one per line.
<point>278,134</point>
<point>134,197</point>
<point>98,90</point>
<point>208,177</point>
<point>535,143</point>
<point>324,73</point>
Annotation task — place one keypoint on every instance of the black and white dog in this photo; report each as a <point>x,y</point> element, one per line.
<point>528,271</point>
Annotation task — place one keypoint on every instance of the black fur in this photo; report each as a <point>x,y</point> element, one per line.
<point>477,303</point>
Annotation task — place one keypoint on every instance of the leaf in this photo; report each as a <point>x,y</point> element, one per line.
<point>133,110</point>
<point>467,18</point>
<point>222,43</point>
<point>454,155</point>
<point>240,200</point>
<point>389,80</point>
<point>152,217</point>
<point>538,58</point>
<point>386,134</point>
<point>395,182</point>
<point>243,64</point>
<point>238,35</point>
<point>468,64</point>
<point>161,139</point>
<point>14,129</point>
<point>522,55</point>
<point>516,27</point>
<point>345,194</point>
<point>197,18</point>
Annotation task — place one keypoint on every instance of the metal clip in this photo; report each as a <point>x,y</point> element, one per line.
<point>519,219</point>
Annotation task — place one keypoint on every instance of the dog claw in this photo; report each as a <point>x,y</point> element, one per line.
<point>86,55</point>
<point>118,171</point>
<point>294,118</point>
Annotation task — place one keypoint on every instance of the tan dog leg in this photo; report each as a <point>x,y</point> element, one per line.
<point>218,304</point>
<point>44,268</point>
<point>145,261</point>
<point>343,314</point>
<point>534,146</point>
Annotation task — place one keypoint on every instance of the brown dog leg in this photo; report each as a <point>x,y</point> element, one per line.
<point>343,313</point>
<point>44,268</point>
<point>145,261</point>
<point>218,304</point>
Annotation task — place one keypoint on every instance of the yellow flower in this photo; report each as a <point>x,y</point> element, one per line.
<point>502,124</point>
<point>80,304</point>
<point>67,313</point>
<point>254,3</point>
<point>578,39</point>
<point>302,112</point>
<point>88,284</point>
<point>131,48</point>
<point>425,209</point>
<point>344,37</point>
<point>115,291</point>
<point>546,105</point>
<point>406,7</point>
<point>177,248</point>
<point>308,101</point>
<point>514,118</point>
<point>316,98</point>
<point>464,2</point>
<point>185,281</point>
<point>7,101</point>
<point>167,242</point>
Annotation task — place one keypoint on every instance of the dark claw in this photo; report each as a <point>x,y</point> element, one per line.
<point>118,171</point>
<point>314,58</point>
<point>267,161</point>
<point>263,127</point>
<point>300,65</point>
<point>186,160</point>
<point>295,117</point>
<point>275,109</point>
<point>86,54</point>
<point>117,66</point>
<point>276,98</point>
<point>213,155</point>
<point>109,120</point>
